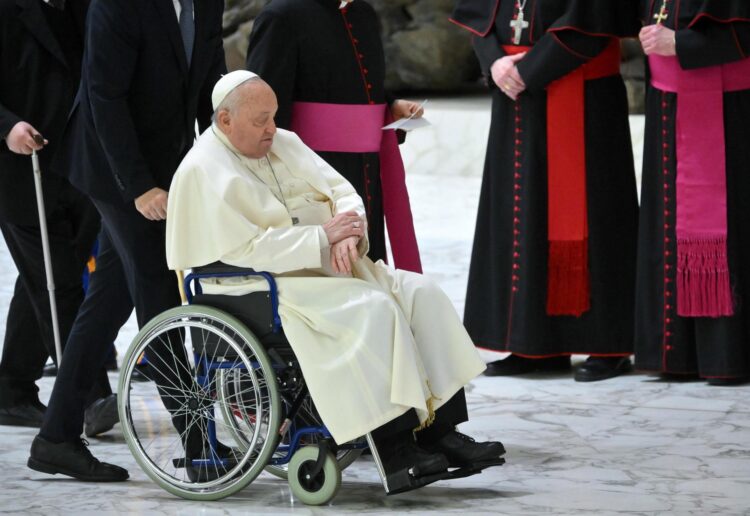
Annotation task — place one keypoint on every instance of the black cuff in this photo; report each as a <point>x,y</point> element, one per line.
<point>547,62</point>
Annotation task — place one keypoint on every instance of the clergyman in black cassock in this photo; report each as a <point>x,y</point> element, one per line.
<point>144,84</point>
<point>318,52</point>
<point>701,38</point>
<point>41,44</point>
<point>534,289</point>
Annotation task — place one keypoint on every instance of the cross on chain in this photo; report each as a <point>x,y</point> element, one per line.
<point>663,13</point>
<point>518,25</point>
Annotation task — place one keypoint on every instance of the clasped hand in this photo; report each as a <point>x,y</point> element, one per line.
<point>658,40</point>
<point>505,75</point>
<point>344,231</point>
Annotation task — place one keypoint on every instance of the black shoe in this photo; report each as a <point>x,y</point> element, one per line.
<point>462,450</point>
<point>101,416</point>
<point>27,413</point>
<point>50,370</point>
<point>678,377</point>
<point>140,374</point>
<point>602,368</point>
<point>418,462</point>
<point>727,382</point>
<point>217,464</point>
<point>72,459</point>
<point>515,364</point>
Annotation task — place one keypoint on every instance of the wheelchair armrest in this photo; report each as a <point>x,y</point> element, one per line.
<point>222,270</point>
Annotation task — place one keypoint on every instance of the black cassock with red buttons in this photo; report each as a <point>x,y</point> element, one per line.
<point>313,51</point>
<point>708,33</point>
<point>507,288</point>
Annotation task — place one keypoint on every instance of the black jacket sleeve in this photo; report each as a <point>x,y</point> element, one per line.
<point>709,43</point>
<point>272,54</point>
<point>111,56</point>
<point>7,120</point>
<point>488,50</point>
<point>557,54</point>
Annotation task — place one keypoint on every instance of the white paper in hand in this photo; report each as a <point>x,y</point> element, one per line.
<point>409,123</point>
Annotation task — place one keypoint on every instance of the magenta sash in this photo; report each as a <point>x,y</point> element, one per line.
<point>703,288</point>
<point>358,128</point>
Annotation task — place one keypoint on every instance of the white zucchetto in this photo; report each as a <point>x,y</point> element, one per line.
<point>227,83</point>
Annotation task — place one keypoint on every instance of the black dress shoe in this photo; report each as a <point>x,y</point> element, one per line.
<point>140,373</point>
<point>72,459</point>
<point>50,370</point>
<point>101,416</point>
<point>462,450</point>
<point>727,382</point>
<point>216,464</point>
<point>417,461</point>
<point>30,414</point>
<point>678,377</point>
<point>515,364</point>
<point>602,368</point>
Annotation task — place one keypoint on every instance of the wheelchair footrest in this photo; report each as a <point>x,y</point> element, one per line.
<point>402,481</point>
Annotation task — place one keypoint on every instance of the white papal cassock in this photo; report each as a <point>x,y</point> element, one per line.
<point>370,346</point>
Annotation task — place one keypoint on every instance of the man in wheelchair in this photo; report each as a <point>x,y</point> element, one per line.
<point>383,351</point>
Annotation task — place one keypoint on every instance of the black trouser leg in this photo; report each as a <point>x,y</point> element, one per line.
<point>388,436</point>
<point>24,353</point>
<point>132,269</point>
<point>106,308</point>
<point>447,417</point>
<point>29,338</point>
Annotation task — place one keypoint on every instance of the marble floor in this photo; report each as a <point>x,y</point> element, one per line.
<point>633,444</point>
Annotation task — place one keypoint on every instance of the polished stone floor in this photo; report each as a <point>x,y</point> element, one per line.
<point>632,444</point>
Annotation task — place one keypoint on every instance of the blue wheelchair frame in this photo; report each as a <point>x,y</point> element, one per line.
<point>296,434</point>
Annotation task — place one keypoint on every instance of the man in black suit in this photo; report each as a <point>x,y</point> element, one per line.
<point>39,39</point>
<point>148,70</point>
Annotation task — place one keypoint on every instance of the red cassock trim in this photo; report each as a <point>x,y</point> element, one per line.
<point>716,19</point>
<point>490,24</point>
<point>577,29</point>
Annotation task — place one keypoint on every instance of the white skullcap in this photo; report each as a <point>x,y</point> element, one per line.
<point>227,83</point>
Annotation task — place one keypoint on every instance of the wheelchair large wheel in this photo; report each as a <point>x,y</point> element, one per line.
<point>243,424</point>
<point>175,425</point>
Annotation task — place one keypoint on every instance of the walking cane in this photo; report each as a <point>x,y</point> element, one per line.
<point>45,247</point>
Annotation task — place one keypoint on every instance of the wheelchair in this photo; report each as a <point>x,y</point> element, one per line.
<point>234,387</point>
<point>226,400</point>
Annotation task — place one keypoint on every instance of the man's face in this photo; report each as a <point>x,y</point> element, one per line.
<point>251,128</point>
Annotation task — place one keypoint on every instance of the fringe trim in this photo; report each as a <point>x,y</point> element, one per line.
<point>568,290</point>
<point>430,410</point>
<point>703,288</point>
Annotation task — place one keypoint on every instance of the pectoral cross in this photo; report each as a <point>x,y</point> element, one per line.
<point>663,14</point>
<point>518,25</point>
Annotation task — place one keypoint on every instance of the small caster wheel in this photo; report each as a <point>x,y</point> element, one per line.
<point>318,489</point>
